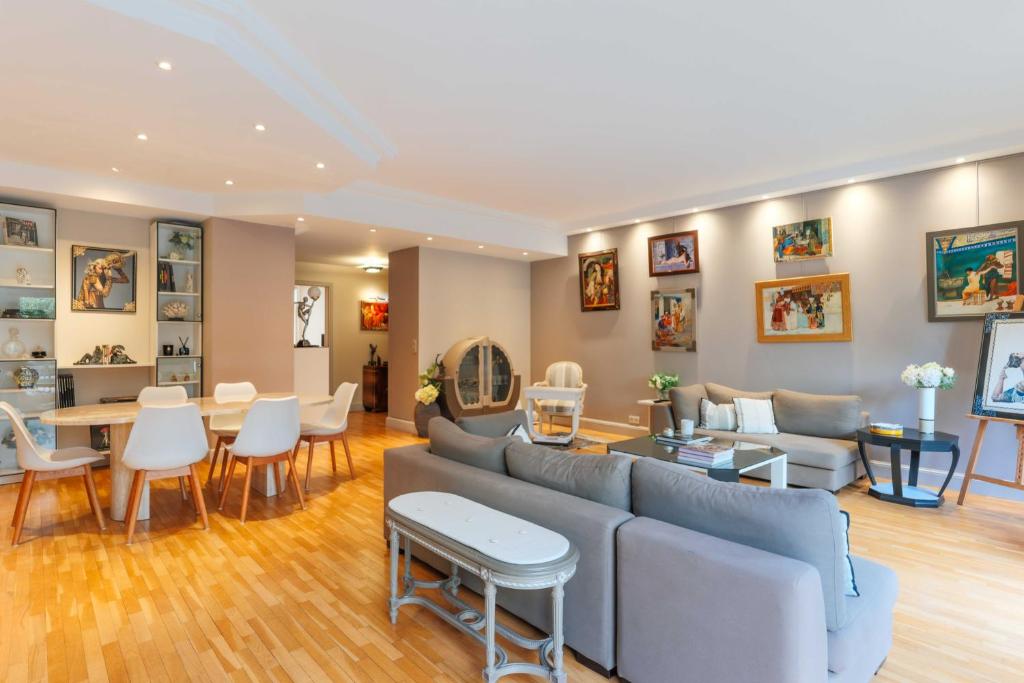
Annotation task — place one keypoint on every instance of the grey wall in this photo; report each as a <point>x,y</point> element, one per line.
<point>879,232</point>
<point>403,331</point>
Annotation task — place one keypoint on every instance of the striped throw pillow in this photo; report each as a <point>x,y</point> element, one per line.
<point>755,416</point>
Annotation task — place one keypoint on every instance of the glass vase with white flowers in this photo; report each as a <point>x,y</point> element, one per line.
<point>662,382</point>
<point>926,379</point>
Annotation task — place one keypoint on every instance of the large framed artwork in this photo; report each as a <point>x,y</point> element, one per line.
<point>599,280</point>
<point>999,387</point>
<point>373,316</point>
<point>803,240</point>
<point>674,320</point>
<point>815,308</point>
<point>674,254</point>
<point>973,271</point>
<point>102,279</point>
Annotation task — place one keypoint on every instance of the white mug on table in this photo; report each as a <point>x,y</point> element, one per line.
<point>686,428</point>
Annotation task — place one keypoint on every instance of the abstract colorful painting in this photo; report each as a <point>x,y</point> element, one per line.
<point>673,254</point>
<point>373,316</point>
<point>972,271</point>
<point>674,320</point>
<point>599,280</point>
<point>804,309</point>
<point>802,240</point>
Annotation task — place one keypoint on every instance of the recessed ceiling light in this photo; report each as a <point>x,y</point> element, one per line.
<point>526,253</point>
<point>590,230</point>
<point>229,182</point>
<point>300,219</point>
<point>693,210</point>
<point>321,165</point>
<point>142,136</point>
<point>260,127</point>
<point>479,246</point>
<point>115,169</point>
<point>960,160</point>
<point>430,239</point>
<point>164,65</point>
<point>764,196</point>
<point>850,181</point>
<point>373,229</point>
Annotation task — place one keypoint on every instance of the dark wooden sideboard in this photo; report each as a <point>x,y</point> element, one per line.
<point>375,388</point>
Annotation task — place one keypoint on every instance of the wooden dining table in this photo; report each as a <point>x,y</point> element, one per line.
<point>121,417</point>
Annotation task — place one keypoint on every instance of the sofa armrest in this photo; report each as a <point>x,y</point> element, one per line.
<point>718,610</point>
<point>661,417</point>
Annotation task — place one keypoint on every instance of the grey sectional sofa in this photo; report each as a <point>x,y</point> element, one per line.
<point>817,431</point>
<point>680,577</point>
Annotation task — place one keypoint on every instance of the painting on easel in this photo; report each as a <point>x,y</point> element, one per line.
<point>999,389</point>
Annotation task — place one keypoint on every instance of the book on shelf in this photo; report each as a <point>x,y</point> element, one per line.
<point>706,453</point>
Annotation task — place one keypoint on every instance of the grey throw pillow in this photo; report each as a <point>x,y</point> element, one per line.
<point>719,393</point>
<point>686,402</point>
<point>827,416</point>
<point>449,441</point>
<point>601,478</point>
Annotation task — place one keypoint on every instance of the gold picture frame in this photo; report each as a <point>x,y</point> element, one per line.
<point>815,308</point>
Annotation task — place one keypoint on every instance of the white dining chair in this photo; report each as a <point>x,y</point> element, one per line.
<point>166,396</point>
<point>330,428</point>
<point>269,435</point>
<point>41,464</point>
<point>166,441</point>
<point>225,427</point>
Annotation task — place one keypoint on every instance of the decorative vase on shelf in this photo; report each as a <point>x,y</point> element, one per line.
<point>663,394</point>
<point>423,415</point>
<point>13,347</point>
<point>926,410</point>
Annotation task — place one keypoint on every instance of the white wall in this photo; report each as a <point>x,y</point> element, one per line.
<point>465,295</point>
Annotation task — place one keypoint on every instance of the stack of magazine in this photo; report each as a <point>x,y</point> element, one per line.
<point>705,454</point>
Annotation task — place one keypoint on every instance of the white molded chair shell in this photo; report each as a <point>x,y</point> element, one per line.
<point>270,427</point>
<point>163,396</point>
<point>231,392</point>
<point>32,456</point>
<point>335,419</point>
<point>565,374</point>
<point>166,437</point>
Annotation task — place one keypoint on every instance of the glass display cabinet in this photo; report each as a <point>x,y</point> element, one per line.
<point>178,249</point>
<point>480,378</point>
<point>29,385</point>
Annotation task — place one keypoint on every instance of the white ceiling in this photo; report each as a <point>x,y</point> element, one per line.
<point>507,124</point>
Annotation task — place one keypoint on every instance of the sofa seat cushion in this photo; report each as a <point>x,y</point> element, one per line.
<point>810,451</point>
<point>493,425</point>
<point>449,441</point>
<point>802,524</point>
<point>719,393</point>
<point>867,636</point>
<point>686,402</point>
<point>601,478</point>
<point>832,417</point>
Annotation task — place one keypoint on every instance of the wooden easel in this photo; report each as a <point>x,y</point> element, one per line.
<point>969,474</point>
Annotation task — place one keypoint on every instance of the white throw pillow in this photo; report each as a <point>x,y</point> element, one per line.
<point>719,417</point>
<point>755,416</point>
<point>520,432</point>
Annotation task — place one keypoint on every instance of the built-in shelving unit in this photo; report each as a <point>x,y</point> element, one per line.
<point>178,268</point>
<point>28,275</point>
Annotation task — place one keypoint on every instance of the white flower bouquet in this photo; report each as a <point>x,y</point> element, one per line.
<point>662,382</point>
<point>426,394</point>
<point>929,376</point>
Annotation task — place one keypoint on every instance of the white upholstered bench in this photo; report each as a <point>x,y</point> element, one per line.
<point>504,551</point>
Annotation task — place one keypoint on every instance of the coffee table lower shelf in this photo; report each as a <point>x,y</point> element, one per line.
<point>747,458</point>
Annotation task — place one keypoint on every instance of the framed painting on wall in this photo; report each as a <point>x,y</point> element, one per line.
<point>802,240</point>
<point>373,316</point>
<point>599,280</point>
<point>674,254</point>
<point>815,308</point>
<point>674,320</point>
<point>999,387</point>
<point>102,279</point>
<point>973,271</point>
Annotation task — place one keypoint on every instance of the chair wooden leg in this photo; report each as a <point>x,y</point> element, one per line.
<point>227,482</point>
<point>247,487</point>
<point>334,463</point>
<point>22,490</point>
<point>23,499</point>
<point>136,498</point>
<point>348,455</point>
<point>295,481</point>
<point>224,466</point>
<point>277,477</point>
<point>213,460</point>
<point>181,487</point>
<point>197,495</point>
<point>309,461</point>
<point>94,500</point>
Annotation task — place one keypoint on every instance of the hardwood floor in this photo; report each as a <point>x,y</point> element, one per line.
<point>295,595</point>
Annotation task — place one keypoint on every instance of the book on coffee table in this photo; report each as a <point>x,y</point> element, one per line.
<point>710,454</point>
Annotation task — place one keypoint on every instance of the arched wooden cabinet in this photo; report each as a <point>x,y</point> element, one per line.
<point>480,378</point>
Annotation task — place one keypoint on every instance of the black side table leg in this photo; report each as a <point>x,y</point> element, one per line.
<point>952,468</point>
<point>915,466</point>
<point>864,461</point>
<point>897,473</point>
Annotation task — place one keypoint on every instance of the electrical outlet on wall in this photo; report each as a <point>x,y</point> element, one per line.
<point>634,419</point>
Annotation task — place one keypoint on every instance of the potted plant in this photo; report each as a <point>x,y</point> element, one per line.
<point>182,243</point>
<point>662,382</point>
<point>426,397</point>
<point>926,379</point>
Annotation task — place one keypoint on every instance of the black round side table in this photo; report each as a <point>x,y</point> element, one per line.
<point>917,443</point>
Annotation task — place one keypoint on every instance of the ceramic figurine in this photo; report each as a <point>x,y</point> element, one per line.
<point>190,282</point>
<point>13,347</point>
<point>106,355</point>
<point>22,276</point>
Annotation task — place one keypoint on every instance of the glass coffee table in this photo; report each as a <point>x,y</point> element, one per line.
<point>748,456</point>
